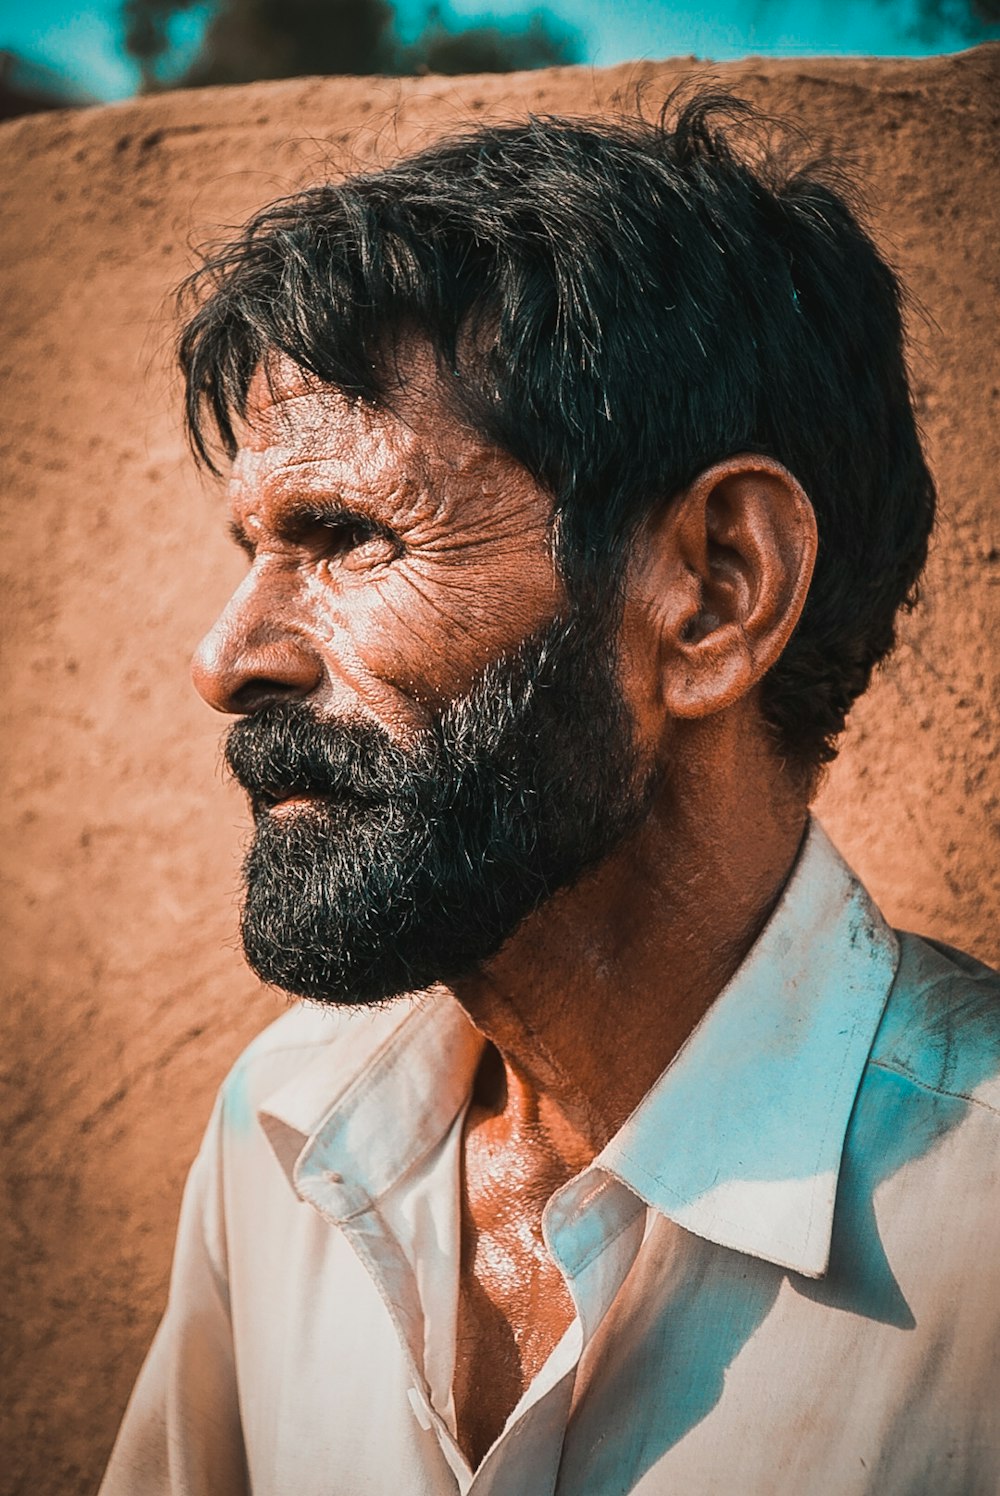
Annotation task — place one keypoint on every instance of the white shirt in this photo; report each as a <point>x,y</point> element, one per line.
<point>785,1266</point>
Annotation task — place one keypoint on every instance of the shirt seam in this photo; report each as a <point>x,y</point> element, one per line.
<point>763,1253</point>
<point>906,1074</point>
<point>307,1047</point>
<point>352,1083</point>
<point>388,1059</point>
<point>603,1245</point>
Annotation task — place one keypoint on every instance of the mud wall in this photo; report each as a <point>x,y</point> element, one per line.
<point>125,996</point>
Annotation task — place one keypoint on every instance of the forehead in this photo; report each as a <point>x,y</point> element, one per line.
<point>294,422</point>
<point>413,465</point>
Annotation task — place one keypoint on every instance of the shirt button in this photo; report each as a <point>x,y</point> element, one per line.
<point>421,1411</point>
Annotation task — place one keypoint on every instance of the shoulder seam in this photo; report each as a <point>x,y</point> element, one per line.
<point>924,1085</point>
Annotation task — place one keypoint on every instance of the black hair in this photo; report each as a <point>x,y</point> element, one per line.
<point>618,304</point>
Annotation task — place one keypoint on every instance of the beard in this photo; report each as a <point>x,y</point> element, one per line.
<point>410,866</point>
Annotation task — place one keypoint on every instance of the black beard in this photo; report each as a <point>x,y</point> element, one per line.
<point>413,866</point>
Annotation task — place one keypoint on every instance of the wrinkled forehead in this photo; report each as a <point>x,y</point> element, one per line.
<point>294,421</point>
<point>283,398</point>
<point>287,406</point>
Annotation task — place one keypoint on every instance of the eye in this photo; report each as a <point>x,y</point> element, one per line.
<point>345,538</point>
<point>338,536</point>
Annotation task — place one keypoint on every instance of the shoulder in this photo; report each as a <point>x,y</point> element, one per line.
<point>941,1027</point>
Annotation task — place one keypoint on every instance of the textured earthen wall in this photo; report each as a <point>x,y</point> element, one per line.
<point>126,997</point>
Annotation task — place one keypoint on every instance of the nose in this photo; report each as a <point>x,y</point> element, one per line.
<point>249,659</point>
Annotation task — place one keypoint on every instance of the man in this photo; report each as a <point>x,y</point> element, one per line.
<point>621,1145</point>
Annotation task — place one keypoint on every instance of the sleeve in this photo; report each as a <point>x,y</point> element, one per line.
<point>182,1434</point>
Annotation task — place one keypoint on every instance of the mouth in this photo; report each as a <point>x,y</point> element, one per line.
<point>288,804</point>
<point>289,799</point>
<point>285,802</point>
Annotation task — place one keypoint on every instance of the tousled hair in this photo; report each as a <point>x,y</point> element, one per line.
<point>619,305</point>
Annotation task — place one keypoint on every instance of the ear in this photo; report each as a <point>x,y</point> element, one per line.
<point>724,570</point>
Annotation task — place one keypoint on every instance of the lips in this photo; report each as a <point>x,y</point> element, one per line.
<point>290,803</point>
<point>285,798</point>
<point>287,801</point>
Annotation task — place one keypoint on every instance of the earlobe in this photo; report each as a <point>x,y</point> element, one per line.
<point>731,558</point>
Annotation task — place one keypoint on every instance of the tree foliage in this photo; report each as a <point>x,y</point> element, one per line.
<point>978,19</point>
<point>937,22</point>
<point>247,40</point>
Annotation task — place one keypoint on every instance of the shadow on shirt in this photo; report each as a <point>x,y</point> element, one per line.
<point>660,1363</point>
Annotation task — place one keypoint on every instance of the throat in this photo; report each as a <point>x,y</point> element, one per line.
<point>513,1304</point>
<point>502,1343</point>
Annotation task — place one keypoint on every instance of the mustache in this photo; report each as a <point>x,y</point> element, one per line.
<point>284,750</point>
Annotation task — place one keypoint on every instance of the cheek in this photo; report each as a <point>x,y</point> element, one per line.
<point>427,626</point>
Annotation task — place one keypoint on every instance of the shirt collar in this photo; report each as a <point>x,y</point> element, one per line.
<point>379,1095</point>
<point>740,1139</point>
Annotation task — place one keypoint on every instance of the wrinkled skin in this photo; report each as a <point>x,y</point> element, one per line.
<point>394,557</point>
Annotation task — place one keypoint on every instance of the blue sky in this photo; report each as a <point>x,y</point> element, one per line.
<point>82,40</point>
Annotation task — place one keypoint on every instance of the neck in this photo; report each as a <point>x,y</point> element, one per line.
<point>589,1001</point>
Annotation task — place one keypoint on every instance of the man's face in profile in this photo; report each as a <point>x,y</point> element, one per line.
<point>435,740</point>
